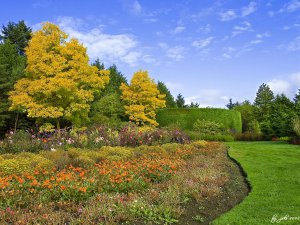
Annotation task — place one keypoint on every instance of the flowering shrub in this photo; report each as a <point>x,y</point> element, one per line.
<point>95,137</point>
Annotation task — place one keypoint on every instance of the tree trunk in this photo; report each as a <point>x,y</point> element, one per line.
<point>16,122</point>
<point>58,127</point>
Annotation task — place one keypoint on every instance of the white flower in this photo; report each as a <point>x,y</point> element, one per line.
<point>52,149</point>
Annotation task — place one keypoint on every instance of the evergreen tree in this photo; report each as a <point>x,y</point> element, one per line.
<point>281,115</point>
<point>263,101</point>
<point>11,69</point>
<point>297,103</point>
<point>231,105</point>
<point>194,105</point>
<point>170,102</point>
<point>18,34</point>
<point>264,97</point>
<point>180,102</point>
<point>98,64</point>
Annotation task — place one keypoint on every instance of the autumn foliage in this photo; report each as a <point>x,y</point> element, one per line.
<point>59,81</point>
<point>142,99</point>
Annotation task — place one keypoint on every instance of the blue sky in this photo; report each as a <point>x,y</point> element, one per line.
<point>207,50</point>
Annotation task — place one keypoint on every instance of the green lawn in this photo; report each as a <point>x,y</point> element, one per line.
<point>273,170</point>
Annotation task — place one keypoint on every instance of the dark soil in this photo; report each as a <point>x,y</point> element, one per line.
<point>233,193</point>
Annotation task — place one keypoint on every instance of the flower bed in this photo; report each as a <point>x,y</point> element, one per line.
<point>147,183</point>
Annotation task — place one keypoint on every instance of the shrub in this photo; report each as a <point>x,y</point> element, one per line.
<point>185,118</point>
<point>248,136</point>
<point>21,141</point>
<point>208,127</point>
<point>207,137</point>
<point>24,162</point>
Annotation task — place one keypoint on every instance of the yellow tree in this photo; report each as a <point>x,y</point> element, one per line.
<point>142,99</point>
<point>59,83</point>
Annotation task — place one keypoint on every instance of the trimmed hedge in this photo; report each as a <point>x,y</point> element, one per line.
<point>185,118</point>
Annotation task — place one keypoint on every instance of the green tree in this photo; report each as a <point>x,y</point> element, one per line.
<point>170,102</point>
<point>12,67</point>
<point>108,110</point>
<point>249,122</point>
<point>281,115</point>
<point>297,103</point>
<point>180,102</point>
<point>111,92</point>
<point>194,105</point>
<point>263,102</point>
<point>18,34</point>
<point>231,105</point>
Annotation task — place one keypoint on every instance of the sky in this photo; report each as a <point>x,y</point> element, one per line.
<point>209,51</point>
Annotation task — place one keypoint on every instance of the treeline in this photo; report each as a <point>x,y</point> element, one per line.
<point>45,59</point>
<point>269,115</point>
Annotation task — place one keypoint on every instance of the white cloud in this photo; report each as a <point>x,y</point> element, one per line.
<point>228,15</point>
<point>110,48</point>
<point>294,45</point>
<point>234,14</point>
<point>209,98</point>
<point>228,52</point>
<point>242,28</point>
<point>255,42</point>
<point>176,53</point>
<point>289,7</point>
<point>175,88</point>
<point>263,35</point>
<point>295,77</point>
<point>205,29</point>
<point>295,25</point>
<point>136,7</point>
<point>292,6</point>
<point>279,86</point>
<point>202,43</point>
<point>178,29</point>
<point>251,8</point>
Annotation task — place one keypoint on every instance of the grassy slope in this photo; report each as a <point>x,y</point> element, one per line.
<point>273,171</point>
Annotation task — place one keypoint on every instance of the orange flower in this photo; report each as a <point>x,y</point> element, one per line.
<point>82,189</point>
<point>20,180</point>
<point>62,187</point>
<point>34,183</point>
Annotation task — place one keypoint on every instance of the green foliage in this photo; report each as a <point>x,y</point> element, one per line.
<point>180,102</point>
<point>108,110</point>
<point>281,114</point>
<point>186,118</point>
<point>296,125</point>
<point>18,34</point>
<point>297,103</point>
<point>24,162</point>
<point>170,102</point>
<point>194,136</point>
<point>21,141</point>
<point>231,105</point>
<point>208,127</point>
<point>12,67</point>
<point>249,122</point>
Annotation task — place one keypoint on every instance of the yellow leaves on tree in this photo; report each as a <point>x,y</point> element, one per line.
<point>59,81</point>
<point>142,99</point>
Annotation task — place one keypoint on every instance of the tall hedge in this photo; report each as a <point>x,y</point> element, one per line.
<point>185,118</point>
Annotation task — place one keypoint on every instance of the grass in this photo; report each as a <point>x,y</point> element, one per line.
<point>273,170</point>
